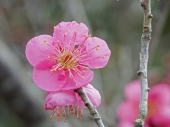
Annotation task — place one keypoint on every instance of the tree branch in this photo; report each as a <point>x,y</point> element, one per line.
<point>89,105</point>
<point>145,40</point>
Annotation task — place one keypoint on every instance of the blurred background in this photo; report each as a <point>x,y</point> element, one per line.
<point>118,23</point>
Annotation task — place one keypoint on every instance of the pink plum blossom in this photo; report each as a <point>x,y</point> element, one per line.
<point>158,105</point>
<point>65,102</point>
<point>125,124</point>
<point>63,61</point>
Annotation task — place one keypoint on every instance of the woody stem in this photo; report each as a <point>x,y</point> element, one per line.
<point>142,73</point>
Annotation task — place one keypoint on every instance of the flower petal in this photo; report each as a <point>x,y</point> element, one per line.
<point>37,50</point>
<point>65,32</point>
<point>78,79</point>
<point>46,80</point>
<point>60,99</point>
<point>163,117</point>
<point>127,111</point>
<point>132,91</point>
<point>93,95</point>
<point>98,53</point>
<point>160,94</point>
<point>125,124</point>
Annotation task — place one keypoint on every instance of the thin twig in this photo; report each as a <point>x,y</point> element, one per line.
<point>145,40</point>
<point>89,105</point>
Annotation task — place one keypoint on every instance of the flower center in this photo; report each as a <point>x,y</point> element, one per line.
<point>70,57</point>
<point>67,60</point>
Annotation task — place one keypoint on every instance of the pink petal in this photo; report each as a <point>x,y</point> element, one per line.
<point>37,50</point>
<point>60,99</point>
<point>127,111</point>
<point>46,80</point>
<point>125,124</point>
<point>132,91</point>
<point>65,31</point>
<point>98,53</point>
<point>78,80</point>
<point>162,118</point>
<point>93,95</point>
<point>160,94</point>
<point>48,106</point>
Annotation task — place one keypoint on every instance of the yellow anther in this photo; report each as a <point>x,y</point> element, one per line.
<point>45,41</point>
<point>103,57</point>
<point>85,35</point>
<point>89,35</point>
<point>97,48</point>
<point>87,68</point>
<point>54,27</point>
<point>82,77</point>
<point>97,67</point>
<point>51,70</point>
<point>98,45</point>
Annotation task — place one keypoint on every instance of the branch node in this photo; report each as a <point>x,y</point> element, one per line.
<point>86,104</point>
<point>145,28</point>
<point>150,16</point>
<point>97,118</point>
<point>138,123</point>
<point>93,113</point>
<point>143,5</point>
<point>140,72</point>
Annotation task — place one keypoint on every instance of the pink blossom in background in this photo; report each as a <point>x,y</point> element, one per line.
<point>158,106</point>
<point>63,61</point>
<point>125,124</point>
<point>65,102</point>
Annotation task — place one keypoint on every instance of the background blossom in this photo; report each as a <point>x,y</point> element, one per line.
<point>158,105</point>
